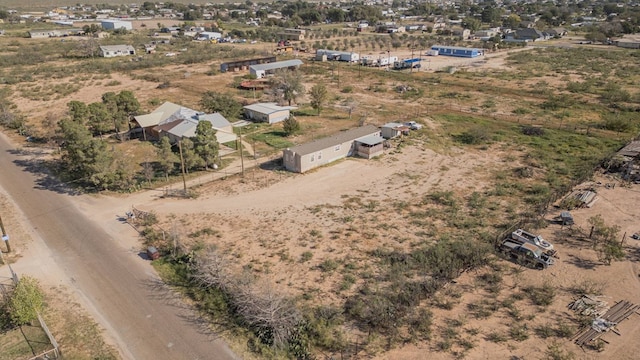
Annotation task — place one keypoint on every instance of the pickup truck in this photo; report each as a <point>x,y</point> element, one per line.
<point>537,240</point>
<point>526,254</point>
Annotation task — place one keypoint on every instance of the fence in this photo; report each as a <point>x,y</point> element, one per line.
<point>54,353</point>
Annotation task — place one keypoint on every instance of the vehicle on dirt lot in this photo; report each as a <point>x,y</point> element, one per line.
<point>537,240</point>
<point>413,125</point>
<point>526,254</point>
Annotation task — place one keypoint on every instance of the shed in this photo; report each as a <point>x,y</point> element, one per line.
<point>308,156</point>
<point>457,51</point>
<point>267,112</point>
<point>393,129</point>
<point>261,70</point>
<point>113,24</point>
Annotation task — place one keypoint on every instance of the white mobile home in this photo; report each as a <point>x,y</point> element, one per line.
<point>334,55</point>
<point>117,50</point>
<point>364,141</point>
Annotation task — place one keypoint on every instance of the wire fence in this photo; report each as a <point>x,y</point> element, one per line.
<point>53,353</point>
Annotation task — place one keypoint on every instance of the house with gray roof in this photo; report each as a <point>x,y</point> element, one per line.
<point>261,70</point>
<point>177,122</point>
<point>267,112</point>
<point>364,141</point>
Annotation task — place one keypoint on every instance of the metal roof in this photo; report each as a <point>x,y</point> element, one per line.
<point>436,47</point>
<point>125,48</point>
<point>371,140</point>
<point>276,65</point>
<point>267,108</point>
<point>336,139</point>
<point>632,149</point>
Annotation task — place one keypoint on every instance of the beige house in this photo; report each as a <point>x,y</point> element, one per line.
<point>364,141</point>
<point>116,50</point>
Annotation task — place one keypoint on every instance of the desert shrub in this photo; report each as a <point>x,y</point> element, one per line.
<point>347,89</point>
<point>519,332</point>
<point>532,130</point>
<point>328,265</point>
<point>496,337</point>
<point>556,352</point>
<point>475,136</point>
<point>541,295</point>
<point>26,300</point>
<point>420,324</point>
<point>306,256</point>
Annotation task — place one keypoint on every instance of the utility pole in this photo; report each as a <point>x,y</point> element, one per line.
<point>241,155</point>
<point>5,237</point>
<point>184,179</point>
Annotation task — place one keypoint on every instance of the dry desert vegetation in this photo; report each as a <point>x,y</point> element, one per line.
<point>390,258</point>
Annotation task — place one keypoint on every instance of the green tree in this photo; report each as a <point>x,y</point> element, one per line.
<point>319,96</point>
<point>26,301</point>
<point>99,118</point>
<point>287,85</point>
<point>83,158</point>
<point>206,143</point>
<point>291,126</point>
<point>472,23</point>
<point>605,240</point>
<point>166,158</point>
<point>223,103</point>
<point>191,159</point>
<point>78,111</point>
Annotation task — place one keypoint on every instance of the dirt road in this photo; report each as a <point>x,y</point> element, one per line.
<point>147,321</point>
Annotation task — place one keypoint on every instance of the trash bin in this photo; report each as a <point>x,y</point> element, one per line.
<point>153,253</point>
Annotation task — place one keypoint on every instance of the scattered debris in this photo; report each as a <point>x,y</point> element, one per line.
<point>589,305</point>
<point>586,198</point>
<point>602,324</point>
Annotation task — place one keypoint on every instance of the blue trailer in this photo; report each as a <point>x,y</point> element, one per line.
<point>457,51</point>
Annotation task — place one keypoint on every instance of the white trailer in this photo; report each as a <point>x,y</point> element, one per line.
<point>432,53</point>
<point>384,61</point>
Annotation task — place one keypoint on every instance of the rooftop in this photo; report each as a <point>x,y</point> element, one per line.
<point>336,139</point>
<point>277,65</point>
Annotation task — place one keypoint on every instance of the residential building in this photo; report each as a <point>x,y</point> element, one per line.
<point>176,122</point>
<point>334,55</point>
<point>113,24</point>
<point>362,141</point>
<point>244,64</point>
<point>267,112</point>
<point>261,70</point>
<point>457,51</point>
<point>292,34</point>
<point>116,50</point>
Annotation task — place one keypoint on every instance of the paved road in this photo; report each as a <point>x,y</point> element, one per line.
<point>147,322</point>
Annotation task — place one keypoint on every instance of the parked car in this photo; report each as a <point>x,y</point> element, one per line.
<point>413,125</point>
<point>526,254</point>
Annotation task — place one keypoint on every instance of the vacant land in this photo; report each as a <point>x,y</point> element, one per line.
<point>355,244</point>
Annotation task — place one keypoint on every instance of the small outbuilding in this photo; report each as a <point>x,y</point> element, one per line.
<point>267,112</point>
<point>392,130</point>
<point>261,70</point>
<point>114,24</point>
<point>362,141</point>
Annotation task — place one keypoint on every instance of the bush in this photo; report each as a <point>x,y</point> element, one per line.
<point>532,130</point>
<point>26,301</point>
<point>543,295</point>
<point>473,136</point>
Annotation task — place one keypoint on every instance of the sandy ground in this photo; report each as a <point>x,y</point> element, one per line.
<point>239,207</point>
<point>250,215</point>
